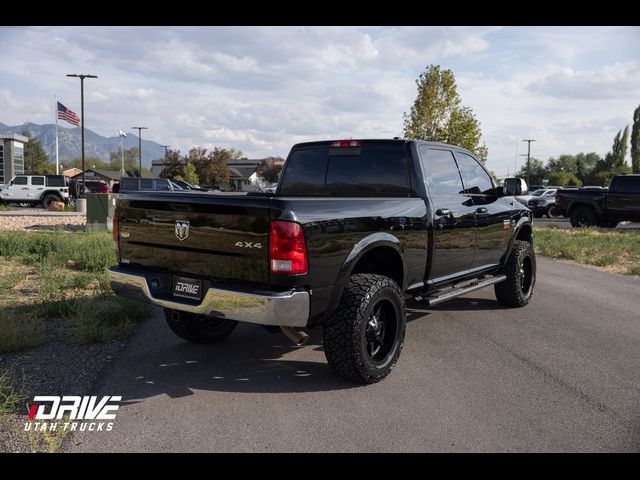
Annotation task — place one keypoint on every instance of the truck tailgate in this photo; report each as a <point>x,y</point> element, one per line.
<point>224,237</point>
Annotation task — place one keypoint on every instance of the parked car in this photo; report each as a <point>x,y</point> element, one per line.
<point>544,203</point>
<point>589,207</point>
<point>354,228</point>
<point>92,186</point>
<point>29,190</point>
<point>142,184</point>
<point>187,186</point>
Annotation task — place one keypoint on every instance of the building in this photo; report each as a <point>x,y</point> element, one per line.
<point>242,175</point>
<point>107,176</point>
<point>71,172</point>
<point>11,155</point>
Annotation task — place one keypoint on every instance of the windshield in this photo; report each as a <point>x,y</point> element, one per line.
<point>538,193</point>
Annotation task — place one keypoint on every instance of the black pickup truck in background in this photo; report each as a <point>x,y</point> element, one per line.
<point>605,208</point>
<point>354,228</point>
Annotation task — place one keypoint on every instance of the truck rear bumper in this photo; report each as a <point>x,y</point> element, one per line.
<point>289,308</point>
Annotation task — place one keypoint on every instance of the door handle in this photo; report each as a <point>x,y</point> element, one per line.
<point>481,210</point>
<point>24,188</point>
<point>441,212</point>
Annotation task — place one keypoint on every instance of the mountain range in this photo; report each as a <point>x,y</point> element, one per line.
<point>95,145</point>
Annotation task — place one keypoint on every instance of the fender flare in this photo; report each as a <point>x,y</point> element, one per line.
<point>521,222</point>
<point>359,250</point>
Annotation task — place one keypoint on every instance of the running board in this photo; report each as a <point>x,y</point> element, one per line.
<point>457,292</point>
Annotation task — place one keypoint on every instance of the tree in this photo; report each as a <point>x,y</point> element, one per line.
<point>614,161</point>
<point>190,175</point>
<point>563,179</point>
<point>635,141</point>
<point>212,168</point>
<point>173,165</point>
<point>538,172</point>
<point>36,160</point>
<point>585,163</point>
<point>269,169</point>
<point>131,161</point>
<point>437,115</point>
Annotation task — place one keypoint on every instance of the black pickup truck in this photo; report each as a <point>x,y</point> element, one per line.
<point>605,208</point>
<point>354,228</point>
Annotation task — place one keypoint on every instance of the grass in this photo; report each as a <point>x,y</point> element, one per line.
<point>55,284</point>
<point>4,208</point>
<point>12,398</point>
<point>615,251</point>
<point>20,330</point>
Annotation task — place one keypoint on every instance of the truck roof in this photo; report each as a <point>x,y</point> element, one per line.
<point>379,142</point>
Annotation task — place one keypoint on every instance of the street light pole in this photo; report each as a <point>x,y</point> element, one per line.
<point>82,77</point>
<point>529,140</point>
<point>140,146</point>
<point>122,136</point>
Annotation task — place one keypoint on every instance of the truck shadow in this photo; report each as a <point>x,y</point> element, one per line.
<point>251,360</point>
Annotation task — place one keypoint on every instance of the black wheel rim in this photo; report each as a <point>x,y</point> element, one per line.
<point>582,220</point>
<point>526,276</point>
<point>382,330</point>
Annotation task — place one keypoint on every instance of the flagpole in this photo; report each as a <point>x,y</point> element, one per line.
<point>56,113</point>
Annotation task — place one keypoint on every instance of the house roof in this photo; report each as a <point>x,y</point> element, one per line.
<point>241,173</point>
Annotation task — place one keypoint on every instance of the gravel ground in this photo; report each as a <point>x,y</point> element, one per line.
<point>41,222</point>
<point>53,369</point>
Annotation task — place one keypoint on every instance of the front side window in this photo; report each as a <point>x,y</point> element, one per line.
<point>475,178</point>
<point>20,181</point>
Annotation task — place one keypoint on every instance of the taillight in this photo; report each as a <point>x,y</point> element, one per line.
<point>116,232</point>
<point>346,143</point>
<point>287,249</point>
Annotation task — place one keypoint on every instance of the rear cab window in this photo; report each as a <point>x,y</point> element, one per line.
<point>376,170</point>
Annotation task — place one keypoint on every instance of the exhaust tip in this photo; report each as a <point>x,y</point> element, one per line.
<point>297,337</point>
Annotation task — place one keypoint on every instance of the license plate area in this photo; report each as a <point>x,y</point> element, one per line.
<point>186,287</point>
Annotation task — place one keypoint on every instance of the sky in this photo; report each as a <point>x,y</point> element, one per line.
<point>263,89</point>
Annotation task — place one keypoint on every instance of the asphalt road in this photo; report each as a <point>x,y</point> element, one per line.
<point>563,374</point>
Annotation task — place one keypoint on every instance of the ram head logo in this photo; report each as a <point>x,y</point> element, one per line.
<point>182,229</point>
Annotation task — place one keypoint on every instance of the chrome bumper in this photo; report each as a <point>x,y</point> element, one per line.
<point>275,308</point>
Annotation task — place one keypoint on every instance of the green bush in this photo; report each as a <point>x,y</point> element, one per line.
<point>20,330</point>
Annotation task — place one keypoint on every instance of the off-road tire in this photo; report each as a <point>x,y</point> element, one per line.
<point>347,333</point>
<point>48,199</point>
<point>198,328</point>
<point>517,289</point>
<point>583,217</point>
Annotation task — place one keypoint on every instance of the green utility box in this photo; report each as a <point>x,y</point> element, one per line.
<point>100,208</point>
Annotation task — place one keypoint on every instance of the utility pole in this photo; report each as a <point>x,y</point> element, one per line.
<point>140,146</point>
<point>82,77</point>
<point>529,140</point>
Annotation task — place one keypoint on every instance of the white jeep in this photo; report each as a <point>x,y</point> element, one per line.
<point>28,190</point>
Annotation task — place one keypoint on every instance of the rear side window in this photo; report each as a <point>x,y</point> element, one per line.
<point>56,181</point>
<point>347,172</point>
<point>626,185</point>
<point>37,180</point>
<point>441,171</point>
<point>476,180</point>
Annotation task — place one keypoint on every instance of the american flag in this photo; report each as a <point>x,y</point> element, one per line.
<point>68,115</point>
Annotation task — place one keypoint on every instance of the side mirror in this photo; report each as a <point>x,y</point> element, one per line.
<point>514,186</point>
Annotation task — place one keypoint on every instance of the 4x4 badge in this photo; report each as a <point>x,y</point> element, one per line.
<point>182,229</point>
